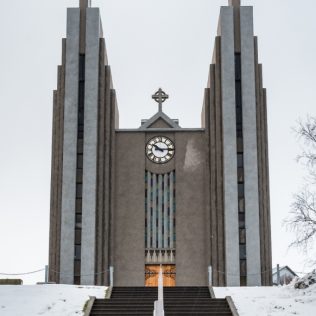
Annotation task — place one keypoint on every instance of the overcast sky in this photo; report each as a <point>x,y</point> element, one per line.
<point>150,44</point>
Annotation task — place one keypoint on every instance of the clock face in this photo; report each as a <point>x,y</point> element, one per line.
<point>160,149</point>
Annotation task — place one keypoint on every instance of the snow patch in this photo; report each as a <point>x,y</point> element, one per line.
<point>271,301</point>
<point>47,300</point>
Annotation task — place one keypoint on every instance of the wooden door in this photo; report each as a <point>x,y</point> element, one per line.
<point>152,273</point>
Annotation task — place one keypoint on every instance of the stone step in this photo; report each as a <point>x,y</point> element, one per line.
<point>177,301</point>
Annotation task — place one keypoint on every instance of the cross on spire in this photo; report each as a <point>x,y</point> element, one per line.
<point>160,97</point>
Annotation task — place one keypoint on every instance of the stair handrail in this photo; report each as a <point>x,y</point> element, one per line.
<point>111,276</point>
<point>210,273</point>
<point>232,306</point>
<point>159,306</point>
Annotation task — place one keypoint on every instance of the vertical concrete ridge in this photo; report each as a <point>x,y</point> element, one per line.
<point>212,194</point>
<point>112,167</point>
<point>263,174</point>
<point>60,139</point>
<point>205,118</point>
<point>229,144</point>
<point>91,109</point>
<point>56,177</point>
<point>53,195</point>
<point>268,241</point>
<point>259,108</point>
<point>250,147</point>
<point>219,174</point>
<point>107,169</point>
<point>101,278</point>
<point>70,148</point>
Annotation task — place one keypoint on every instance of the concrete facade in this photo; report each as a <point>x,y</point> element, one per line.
<point>100,210</point>
<point>89,202</point>
<point>229,143</point>
<point>251,217</point>
<point>70,148</point>
<point>250,146</point>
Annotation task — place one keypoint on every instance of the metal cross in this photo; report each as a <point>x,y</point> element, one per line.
<point>160,97</point>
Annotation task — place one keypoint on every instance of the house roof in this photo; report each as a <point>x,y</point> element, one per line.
<point>274,270</point>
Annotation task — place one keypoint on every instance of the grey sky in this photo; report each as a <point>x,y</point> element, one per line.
<point>151,44</point>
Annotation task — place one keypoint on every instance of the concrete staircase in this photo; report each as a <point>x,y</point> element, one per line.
<point>177,301</point>
<point>193,301</point>
<point>127,301</point>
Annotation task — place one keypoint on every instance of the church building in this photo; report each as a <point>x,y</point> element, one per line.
<point>160,194</point>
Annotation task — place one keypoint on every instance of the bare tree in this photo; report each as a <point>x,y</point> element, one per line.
<point>302,217</point>
<point>306,132</point>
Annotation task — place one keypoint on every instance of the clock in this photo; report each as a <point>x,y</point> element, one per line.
<point>160,149</point>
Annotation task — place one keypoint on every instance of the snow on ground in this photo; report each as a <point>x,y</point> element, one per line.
<point>272,301</point>
<point>47,300</point>
<point>69,300</point>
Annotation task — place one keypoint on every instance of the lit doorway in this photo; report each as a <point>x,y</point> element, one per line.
<point>152,273</point>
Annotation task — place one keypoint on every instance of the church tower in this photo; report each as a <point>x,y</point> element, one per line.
<point>85,116</point>
<point>235,118</point>
<point>193,200</point>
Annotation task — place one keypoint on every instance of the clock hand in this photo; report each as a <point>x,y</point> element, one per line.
<point>158,148</point>
<point>163,149</point>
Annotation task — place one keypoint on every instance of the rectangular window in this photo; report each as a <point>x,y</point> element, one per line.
<point>240,174</point>
<point>77,268</point>
<point>242,222</point>
<point>79,191</point>
<point>237,67</point>
<point>241,190</point>
<point>80,117</point>
<point>242,236</point>
<point>80,128</point>
<point>238,94</point>
<point>80,146</point>
<point>238,115</point>
<point>79,161</point>
<point>77,252</point>
<point>78,205</point>
<point>79,176</point>
<point>240,145</point>
<point>240,160</point>
<point>243,267</point>
<point>82,65</point>
<point>242,252</point>
<point>78,218</point>
<point>243,281</point>
<point>239,128</point>
<point>161,218</point>
<point>81,95</point>
<point>78,236</point>
<point>241,205</point>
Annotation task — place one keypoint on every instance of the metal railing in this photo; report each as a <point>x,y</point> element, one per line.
<point>159,306</point>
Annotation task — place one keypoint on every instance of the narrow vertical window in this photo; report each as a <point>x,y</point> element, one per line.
<point>240,172</point>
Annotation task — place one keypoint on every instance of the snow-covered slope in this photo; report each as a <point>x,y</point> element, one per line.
<point>274,301</point>
<point>67,300</point>
<point>47,300</point>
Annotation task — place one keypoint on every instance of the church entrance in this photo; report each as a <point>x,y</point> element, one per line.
<point>152,273</point>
